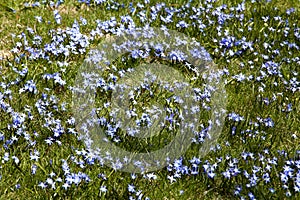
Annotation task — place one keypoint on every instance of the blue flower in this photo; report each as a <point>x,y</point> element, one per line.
<point>30,87</point>
<point>57,16</point>
<point>131,188</point>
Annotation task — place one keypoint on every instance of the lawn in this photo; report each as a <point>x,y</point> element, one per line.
<point>101,99</point>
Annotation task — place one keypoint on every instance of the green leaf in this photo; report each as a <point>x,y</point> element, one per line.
<point>6,8</point>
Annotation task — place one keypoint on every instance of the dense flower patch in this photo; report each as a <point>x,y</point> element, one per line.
<point>254,46</point>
